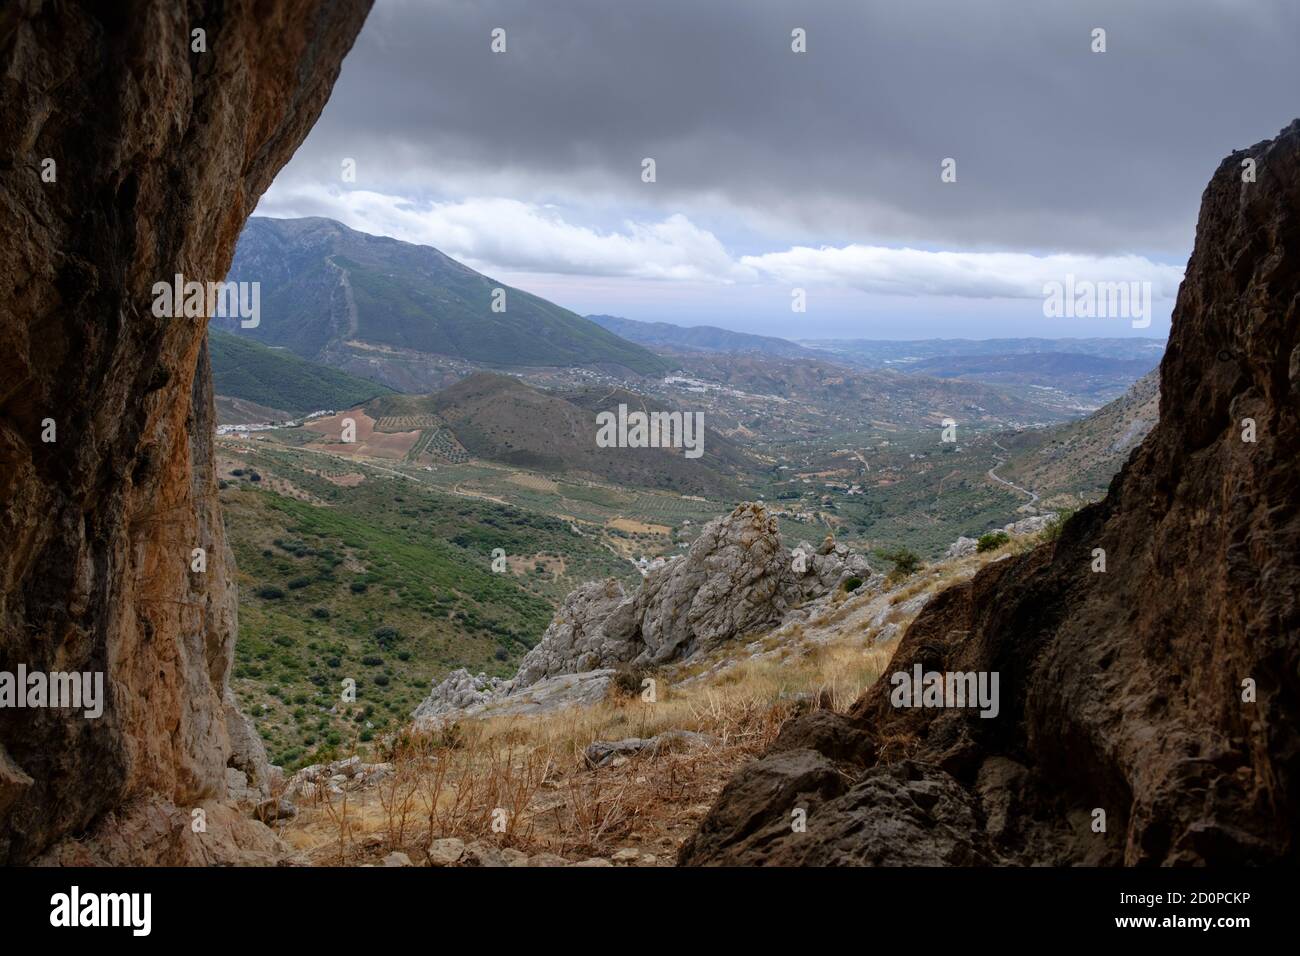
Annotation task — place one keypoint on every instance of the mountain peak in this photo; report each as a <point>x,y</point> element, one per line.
<point>351,300</point>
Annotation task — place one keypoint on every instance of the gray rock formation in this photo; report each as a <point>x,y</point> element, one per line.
<point>578,639</point>
<point>547,695</point>
<point>458,691</point>
<point>963,547</point>
<point>737,578</point>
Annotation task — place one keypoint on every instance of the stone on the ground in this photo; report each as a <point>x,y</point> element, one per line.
<point>446,851</point>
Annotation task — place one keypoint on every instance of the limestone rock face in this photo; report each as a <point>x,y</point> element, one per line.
<point>1120,690</point>
<point>963,547</point>
<point>737,577</point>
<point>458,690</point>
<point>826,567</point>
<point>159,153</point>
<point>577,639</point>
<point>549,694</point>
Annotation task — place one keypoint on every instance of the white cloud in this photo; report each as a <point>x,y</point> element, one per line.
<point>976,275</point>
<point>498,234</point>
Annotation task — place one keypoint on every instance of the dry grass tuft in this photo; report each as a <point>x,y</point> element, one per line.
<point>522,782</point>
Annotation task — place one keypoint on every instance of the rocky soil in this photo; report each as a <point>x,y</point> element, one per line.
<point>1164,691</point>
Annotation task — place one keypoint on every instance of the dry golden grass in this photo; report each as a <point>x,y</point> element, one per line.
<point>523,783</point>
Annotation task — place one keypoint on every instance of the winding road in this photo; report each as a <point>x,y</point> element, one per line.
<point>1033,495</point>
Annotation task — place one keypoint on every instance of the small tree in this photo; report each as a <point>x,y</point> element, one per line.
<point>992,541</point>
<point>906,562</point>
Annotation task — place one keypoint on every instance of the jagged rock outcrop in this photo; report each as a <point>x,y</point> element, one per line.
<point>736,578</point>
<point>549,694</point>
<point>1164,691</point>
<point>577,638</point>
<point>456,692</point>
<point>127,157</point>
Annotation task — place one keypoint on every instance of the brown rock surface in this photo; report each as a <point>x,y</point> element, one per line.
<point>1119,690</point>
<point>161,154</point>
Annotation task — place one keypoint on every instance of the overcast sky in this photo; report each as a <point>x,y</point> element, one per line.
<point>816,170</point>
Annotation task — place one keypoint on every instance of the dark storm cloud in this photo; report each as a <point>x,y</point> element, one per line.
<point>1057,147</point>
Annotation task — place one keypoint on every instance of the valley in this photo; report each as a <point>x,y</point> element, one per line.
<point>446,533</point>
<point>480,513</point>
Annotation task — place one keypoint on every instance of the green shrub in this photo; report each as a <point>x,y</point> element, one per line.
<point>359,587</point>
<point>270,592</point>
<point>299,583</point>
<point>852,584</point>
<point>904,560</point>
<point>992,541</point>
<point>320,613</point>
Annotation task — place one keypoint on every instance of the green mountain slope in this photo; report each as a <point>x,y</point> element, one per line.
<point>281,380</point>
<point>324,285</point>
<point>1074,463</point>
<point>386,582</point>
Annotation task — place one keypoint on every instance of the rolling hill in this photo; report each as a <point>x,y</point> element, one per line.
<point>278,380</point>
<point>348,300</point>
<point>501,419</point>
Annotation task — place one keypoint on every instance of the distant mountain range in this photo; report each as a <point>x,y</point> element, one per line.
<point>1093,378</point>
<point>1088,372</point>
<point>350,300</point>
<point>881,353</point>
<point>700,338</point>
<point>876,396</point>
